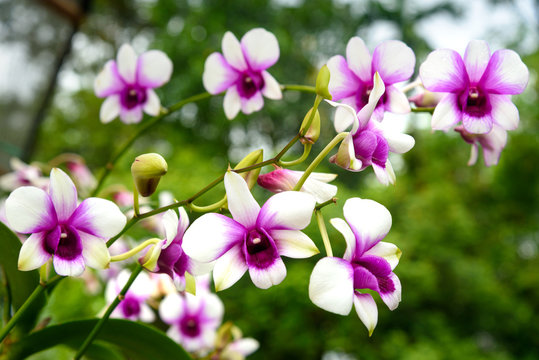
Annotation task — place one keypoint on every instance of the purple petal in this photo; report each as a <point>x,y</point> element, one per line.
<point>390,291</point>
<point>359,59</point>
<point>444,71</point>
<point>331,285</point>
<point>252,104</point>
<point>30,210</point>
<point>98,217</point>
<point>108,81</point>
<point>212,235</point>
<point>33,254</point>
<point>505,74</point>
<point>365,143</point>
<point>493,144</point>
<point>447,113</point>
<point>131,116</point>
<point>394,61</point>
<point>477,124</point>
<point>268,276</point>
<point>476,59</point>
<point>218,74</point>
<point>386,250</point>
<point>377,265</point>
<point>154,69</point>
<point>63,194</point>
<point>288,210</point>
<point>364,279</point>
<point>343,82</point>
<point>260,48</point>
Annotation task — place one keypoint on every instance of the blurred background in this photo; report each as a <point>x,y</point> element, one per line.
<point>469,235</point>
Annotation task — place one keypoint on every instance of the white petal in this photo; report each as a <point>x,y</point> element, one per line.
<point>213,308</point>
<point>99,217</point>
<point>126,61</point>
<point>218,74</point>
<point>63,194</point>
<point>399,143</point>
<point>131,116</point>
<point>170,223</point>
<point>229,268</point>
<point>504,112</point>
<point>30,210</point>
<point>390,172</point>
<point>446,114</point>
<point>493,144</point>
<point>294,244</point>
<point>253,104</point>
<point>146,314</point>
<point>154,69</point>
<point>359,59</point>
<point>366,310</point>
<point>108,81</point>
<point>324,177</point>
<point>110,109</point>
<point>348,235</point>
<point>143,286</point>
<point>260,48</point>
<point>396,102</point>
<point>346,118</point>
<point>390,252</point>
<point>505,73</point>
<point>393,299</point>
<point>394,61</point>
<point>241,203</point>
<point>32,254</point>
<point>272,89</point>
<point>331,286</point>
<point>244,346</point>
<point>153,104</point>
<point>366,112</point>
<point>321,191</point>
<point>94,251</point>
<point>474,152</point>
<point>381,174</point>
<point>183,221</point>
<point>232,51</point>
<point>73,267</point>
<point>476,59</point>
<point>443,71</point>
<point>171,308</point>
<point>269,276</point>
<point>210,236</point>
<point>232,103</point>
<point>290,210</point>
<point>477,125</point>
<point>369,220</point>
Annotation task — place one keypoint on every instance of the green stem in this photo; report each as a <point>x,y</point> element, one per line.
<point>7,297</point>
<point>90,338</point>
<point>423,110</point>
<point>135,200</point>
<point>301,88</point>
<point>134,251</point>
<point>323,232</point>
<point>326,203</point>
<point>141,130</point>
<point>336,140</point>
<point>306,151</point>
<point>208,208</point>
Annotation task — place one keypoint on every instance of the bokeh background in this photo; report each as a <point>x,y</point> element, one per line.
<point>469,235</point>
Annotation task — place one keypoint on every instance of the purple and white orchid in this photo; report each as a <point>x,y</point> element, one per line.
<point>128,84</point>
<point>478,87</point>
<point>72,234</point>
<point>369,142</point>
<point>194,319</point>
<point>351,79</point>
<point>133,306</point>
<point>241,71</point>
<point>367,263</point>
<point>255,239</point>
<point>281,179</point>
<point>22,175</point>
<point>172,260</point>
<point>491,143</point>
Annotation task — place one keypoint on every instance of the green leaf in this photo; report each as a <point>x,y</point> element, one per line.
<point>20,283</point>
<point>134,340</point>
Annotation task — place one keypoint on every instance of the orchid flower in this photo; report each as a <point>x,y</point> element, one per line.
<point>368,263</point>
<point>492,144</point>
<point>352,78</point>
<point>81,173</point>
<point>369,142</point>
<point>316,184</point>
<point>22,175</point>
<point>172,260</point>
<point>194,319</point>
<point>73,235</point>
<point>239,349</point>
<point>128,84</point>
<point>241,71</point>
<point>255,239</point>
<point>133,306</point>
<point>478,87</point>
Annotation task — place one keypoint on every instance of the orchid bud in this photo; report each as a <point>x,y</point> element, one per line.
<point>251,159</point>
<point>426,98</point>
<point>314,130</point>
<point>149,260</point>
<point>147,170</point>
<point>322,82</point>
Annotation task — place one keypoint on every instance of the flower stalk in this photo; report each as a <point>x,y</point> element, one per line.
<point>323,232</point>
<point>126,255</point>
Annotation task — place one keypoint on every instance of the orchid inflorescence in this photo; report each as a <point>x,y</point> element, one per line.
<point>471,94</point>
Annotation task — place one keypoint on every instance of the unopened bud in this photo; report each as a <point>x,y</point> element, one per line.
<point>322,82</point>
<point>147,170</point>
<point>251,159</point>
<point>313,133</point>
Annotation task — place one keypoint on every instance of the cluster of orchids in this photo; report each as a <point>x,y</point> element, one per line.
<point>470,94</point>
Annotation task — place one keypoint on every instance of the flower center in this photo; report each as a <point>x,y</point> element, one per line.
<point>64,242</point>
<point>189,326</point>
<point>371,147</point>
<point>131,306</point>
<point>250,84</point>
<point>132,97</point>
<point>260,249</point>
<point>475,102</point>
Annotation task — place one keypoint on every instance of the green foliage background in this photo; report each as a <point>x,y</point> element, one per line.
<point>469,235</point>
